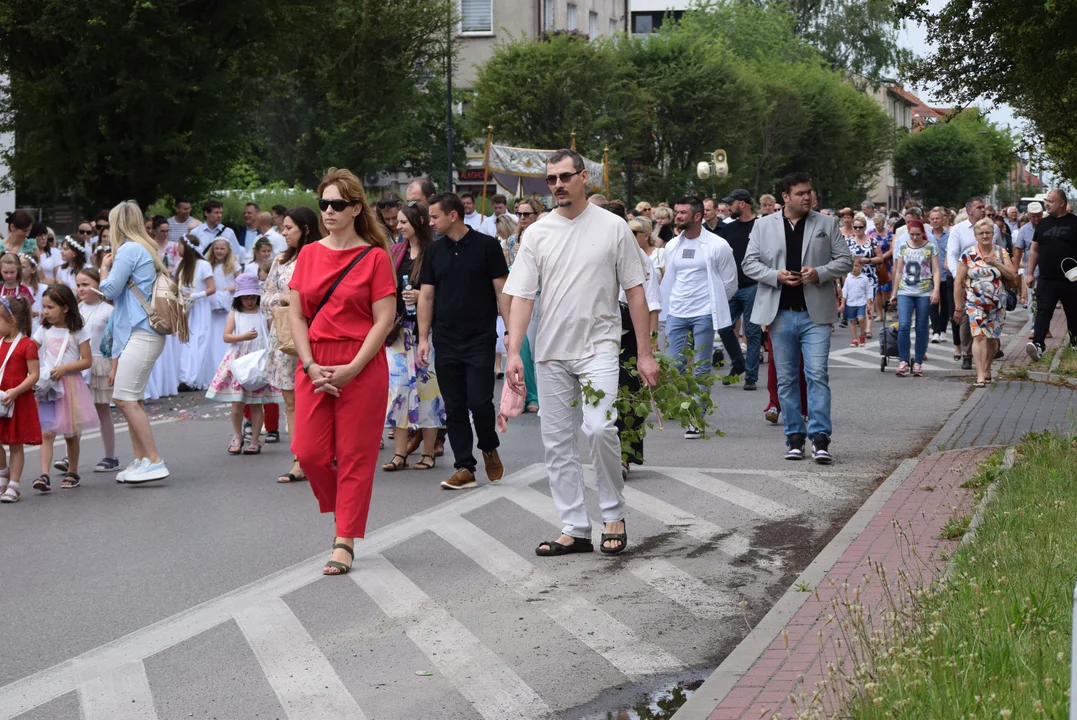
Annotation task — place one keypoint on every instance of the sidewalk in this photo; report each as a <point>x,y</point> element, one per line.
<point>793,661</point>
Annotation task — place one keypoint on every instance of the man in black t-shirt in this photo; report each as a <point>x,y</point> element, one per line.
<point>736,233</point>
<point>1053,243</point>
<point>462,278</point>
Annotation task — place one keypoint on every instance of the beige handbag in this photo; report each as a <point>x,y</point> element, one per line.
<point>282,322</point>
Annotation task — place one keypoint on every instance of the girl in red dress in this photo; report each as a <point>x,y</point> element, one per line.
<point>343,380</point>
<point>18,353</point>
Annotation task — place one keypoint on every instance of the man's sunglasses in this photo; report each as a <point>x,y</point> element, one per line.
<point>80,231</point>
<point>563,177</point>
<point>337,205</point>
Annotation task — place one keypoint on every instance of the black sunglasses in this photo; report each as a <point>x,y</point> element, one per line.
<point>337,205</point>
<point>386,204</point>
<point>563,177</point>
<point>526,214</point>
<point>858,227</point>
<point>80,231</point>
<point>102,227</point>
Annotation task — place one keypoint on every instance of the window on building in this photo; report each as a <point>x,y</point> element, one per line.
<point>592,25</point>
<point>547,15</point>
<point>572,20</point>
<point>476,16</point>
<point>641,24</point>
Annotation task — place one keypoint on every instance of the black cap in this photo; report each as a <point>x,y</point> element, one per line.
<point>740,194</point>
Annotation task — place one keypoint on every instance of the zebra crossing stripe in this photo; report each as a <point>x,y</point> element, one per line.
<point>588,623</point>
<point>685,589</point>
<point>493,689</point>
<point>122,694</point>
<point>732,494</point>
<point>811,483</point>
<point>302,677</point>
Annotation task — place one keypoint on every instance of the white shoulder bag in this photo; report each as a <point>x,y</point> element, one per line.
<point>46,389</point>
<point>250,370</point>
<point>6,410</point>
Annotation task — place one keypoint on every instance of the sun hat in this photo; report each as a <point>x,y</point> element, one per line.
<point>247,284</point>
<point>1034,208</point>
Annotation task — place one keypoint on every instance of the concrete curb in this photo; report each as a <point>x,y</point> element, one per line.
<point>711,693</point>
<point>948,428</point>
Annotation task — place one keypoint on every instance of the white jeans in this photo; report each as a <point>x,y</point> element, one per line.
<point>558,387</point>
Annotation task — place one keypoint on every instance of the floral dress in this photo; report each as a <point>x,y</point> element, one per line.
<point>414,396</point>
<point>280,368</point>
<point>985,300</point>
<point>865,251</point>
<point>224,387</point>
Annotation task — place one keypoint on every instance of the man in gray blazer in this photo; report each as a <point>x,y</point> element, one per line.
<point>796,256</point>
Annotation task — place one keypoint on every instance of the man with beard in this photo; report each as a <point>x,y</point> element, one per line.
<point>736,233</point>
<point>580,256</point>
<point>700,277</point>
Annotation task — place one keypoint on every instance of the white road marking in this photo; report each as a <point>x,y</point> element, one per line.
<point>683,588</point>
<point>495,691</point>
<point>809,482</point>
<point>122,694</point>
<point>589,624</point>
<point>731,493</point>
<point>305,682</point>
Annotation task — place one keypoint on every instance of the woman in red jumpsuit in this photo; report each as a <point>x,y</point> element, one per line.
<point>343,379</point>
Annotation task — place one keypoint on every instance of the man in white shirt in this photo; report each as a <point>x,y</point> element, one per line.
<point>212,229</point>
<point>249,234</point>
<point>579,256</point>
<point>267,229</point>
<point>473,219</point>
<point>180,223</point>
<point>501,207</point>
<point>700,277</point>
<point>868,208</point>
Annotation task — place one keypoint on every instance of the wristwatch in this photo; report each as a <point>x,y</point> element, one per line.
<point>306,367</point>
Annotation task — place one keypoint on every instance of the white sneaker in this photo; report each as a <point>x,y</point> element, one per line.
<point>147,472</point>
<point>936,338</point>
<point>692,433</point>
<point>121,476</point>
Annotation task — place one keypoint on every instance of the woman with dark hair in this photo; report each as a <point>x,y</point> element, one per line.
<point>48,255</point>
<point>414,397</point>
<point>342,307</point>
<point>300,227</point>
<point>18,240</point>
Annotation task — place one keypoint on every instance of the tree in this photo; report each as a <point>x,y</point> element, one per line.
<point>953,160</point>
<point>113,99</point>
<point>860,36</point>
<point>1019,52</point>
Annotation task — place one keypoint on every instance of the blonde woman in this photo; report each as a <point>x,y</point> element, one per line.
<point>137,346</point>
<point>663,226</point>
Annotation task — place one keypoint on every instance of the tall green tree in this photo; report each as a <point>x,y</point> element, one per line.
<point>114,99</point>
<point>948,162</point>
<point>1019,52</point>
<point>859,36</point>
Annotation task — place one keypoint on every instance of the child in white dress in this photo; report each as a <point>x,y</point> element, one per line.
<point>225,269</point>
<point>195,279</point>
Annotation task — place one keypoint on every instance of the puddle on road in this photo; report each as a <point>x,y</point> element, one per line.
<point>658,704</point>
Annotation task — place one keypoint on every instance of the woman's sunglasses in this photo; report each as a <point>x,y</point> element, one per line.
<point>526,214</point>
<point>858,227</point>
<point>337,205</point>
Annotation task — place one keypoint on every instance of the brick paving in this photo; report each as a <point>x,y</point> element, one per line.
<point>799,673</point>
<point>1009,409</point>
<point>1020,359</point>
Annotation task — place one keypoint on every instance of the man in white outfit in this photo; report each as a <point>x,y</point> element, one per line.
<point>580,257</point>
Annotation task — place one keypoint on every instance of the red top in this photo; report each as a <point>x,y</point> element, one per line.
<point>24,427</point>
<point>349,314</point>
<point>20,292</point>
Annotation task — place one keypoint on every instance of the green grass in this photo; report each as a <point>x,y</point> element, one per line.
<point>955,528</point>
<point>1067,364</point>
<point>993,640</point>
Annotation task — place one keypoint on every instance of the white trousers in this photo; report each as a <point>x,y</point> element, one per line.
<point>558,387</point>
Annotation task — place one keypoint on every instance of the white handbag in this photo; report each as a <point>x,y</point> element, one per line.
<point>7,410</point>
<point>46,389</point>
<point>250,370</point>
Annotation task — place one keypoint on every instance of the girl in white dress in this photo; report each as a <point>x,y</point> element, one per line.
<point>31,278</point>
<point>225,270</point>
<point>95,314</point>
<point>195,278</point>
<point>74,256</point>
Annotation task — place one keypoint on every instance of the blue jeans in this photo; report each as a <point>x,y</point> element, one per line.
<point>906,305</point>
<point>702,329</point>
<point>793,334</point>
<point>741,305</point>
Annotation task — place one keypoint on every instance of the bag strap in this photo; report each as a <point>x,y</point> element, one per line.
<point>404,247</point>
<point>141,298</point>
<point>10,352</point>
<point>329,292</point>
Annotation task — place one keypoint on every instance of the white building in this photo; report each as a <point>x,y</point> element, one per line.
<point>7,197</point>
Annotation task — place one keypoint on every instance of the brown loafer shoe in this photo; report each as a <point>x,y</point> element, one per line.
<point>494,469</point>
<point>460,480</point>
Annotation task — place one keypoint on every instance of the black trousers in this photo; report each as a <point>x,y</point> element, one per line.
<point>1048,293</point>
<point>629,349</point>
<point>944,312</point>
<point>466,380</point>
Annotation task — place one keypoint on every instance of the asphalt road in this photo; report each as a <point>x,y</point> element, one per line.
<point>202,596</point>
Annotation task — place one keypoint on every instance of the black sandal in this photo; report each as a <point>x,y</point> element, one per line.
<point>42,484</point>
<point>423,464</point>
<point>393,465</point>
<point>579,545</point>
<point>339,566</point>
<point>291,478</point>
<point>71,481</point>
<point>621,537</point>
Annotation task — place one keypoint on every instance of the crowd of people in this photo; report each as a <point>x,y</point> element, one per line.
<point>402,315</point>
